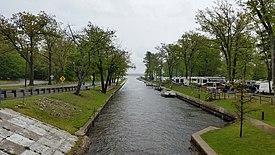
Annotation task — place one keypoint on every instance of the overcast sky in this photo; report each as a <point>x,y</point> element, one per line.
<point>141,25</point>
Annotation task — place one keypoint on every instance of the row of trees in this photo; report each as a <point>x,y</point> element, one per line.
<point>236,42</point>
<point>38,45</point>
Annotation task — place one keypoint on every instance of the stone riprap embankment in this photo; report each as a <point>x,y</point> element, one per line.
<point>23,135</point>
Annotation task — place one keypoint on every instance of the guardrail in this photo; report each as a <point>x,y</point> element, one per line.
<point>5,94</point>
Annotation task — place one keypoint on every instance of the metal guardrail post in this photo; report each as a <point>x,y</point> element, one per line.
<point>5,93</point>
<point>0,95</point>
<point>14,93</point>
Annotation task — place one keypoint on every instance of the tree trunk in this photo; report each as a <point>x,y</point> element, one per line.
<point>272,48</point>
<point>234,66</point>
<point>186,69</point>
<point>241,126</point>
<point>50,68</point>
<point>242,112</point>
<point>110,79</point>
<point>31,73</point>
<point>102,81</point>
<point>107,80</point>
<point>79,83</point>
<point>93,82</point>
<point>117,78</point>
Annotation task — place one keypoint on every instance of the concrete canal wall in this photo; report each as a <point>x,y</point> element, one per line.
<point>83,131</point>
<point>200,144</point>
<point>90,123</point>
<point>211,108</point>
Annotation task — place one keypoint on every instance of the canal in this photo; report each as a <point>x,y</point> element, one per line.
<point>137,120</point>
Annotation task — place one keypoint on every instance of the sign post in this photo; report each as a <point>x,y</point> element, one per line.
<point>62,79</point>
<point>92,78</point>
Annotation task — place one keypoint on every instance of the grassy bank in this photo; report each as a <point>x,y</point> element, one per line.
<point>266,107</point>
<point>64,110</point>
<point>226,141</point>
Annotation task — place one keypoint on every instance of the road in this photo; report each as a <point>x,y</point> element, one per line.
<point>22,83</point>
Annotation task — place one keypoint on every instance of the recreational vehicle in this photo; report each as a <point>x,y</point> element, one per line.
<point>181,80</point>
<point>203,80</point>
<point>199,80</point>
<point>264,87</point>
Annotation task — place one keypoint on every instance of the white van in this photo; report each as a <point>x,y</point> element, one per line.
<point>264,87</point>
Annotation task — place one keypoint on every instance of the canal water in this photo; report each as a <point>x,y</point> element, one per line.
<point>137,120</point>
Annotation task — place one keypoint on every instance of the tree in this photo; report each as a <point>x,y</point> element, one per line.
<point>23,31</point>
<point>265,54</point>
<point>190,44</point>
<point>223,23</point>
<point>150,64</point>
<point>208,60</point>
<point>50,35</point>
<point>100,44</point>
<point>264,10</point>
<point>83,59</point>
<point>11,66</point>
<point>171,56</point>
<point>241,106</point>
<point>63,52</point>
<point>160,58</point>
<point>121,65</point>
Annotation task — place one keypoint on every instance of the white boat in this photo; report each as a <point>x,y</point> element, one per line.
<point>168,93</point>
<point>158,88</point>
<point>149,84</point>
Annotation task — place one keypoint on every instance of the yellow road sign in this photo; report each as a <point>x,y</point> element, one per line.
<point>62,78</point>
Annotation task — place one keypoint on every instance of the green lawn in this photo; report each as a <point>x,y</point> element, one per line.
<point>226,141</point>
<point>64,110</point>
<point>190,91</point>
<point>266,107</point>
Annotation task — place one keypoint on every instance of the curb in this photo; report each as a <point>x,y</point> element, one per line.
<point>200,144</point>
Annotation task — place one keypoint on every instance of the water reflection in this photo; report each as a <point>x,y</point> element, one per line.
<point>139,121</point>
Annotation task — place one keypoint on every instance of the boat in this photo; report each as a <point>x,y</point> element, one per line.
<point>149,84</point>
<point>158,88</point>
<point>168,93</point>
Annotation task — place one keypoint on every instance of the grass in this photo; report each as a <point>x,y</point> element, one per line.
<point>3,82</point>
<point>267,108</point>
<point>64,110</point>
<point>189,91</point>
<point>226,141</point>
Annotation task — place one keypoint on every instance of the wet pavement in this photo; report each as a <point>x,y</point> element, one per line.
<point>23,135</point>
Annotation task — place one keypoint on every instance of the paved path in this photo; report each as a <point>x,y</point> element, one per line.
<point>261,125</point>
<point>23,135</point>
